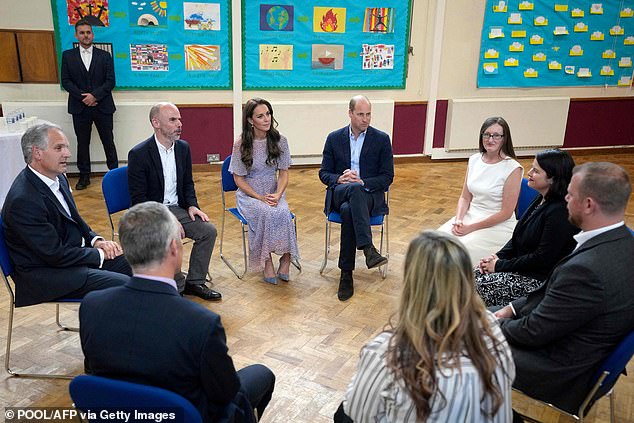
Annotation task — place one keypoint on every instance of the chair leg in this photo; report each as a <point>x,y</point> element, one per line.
<point>385,232</point>
<point>60,325</point>
<point>294,261</point>
<point>223,258</point>
<point>326,247</point>
<point>612,406</point>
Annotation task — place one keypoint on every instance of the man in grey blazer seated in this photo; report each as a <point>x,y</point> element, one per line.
<point>563,330</point>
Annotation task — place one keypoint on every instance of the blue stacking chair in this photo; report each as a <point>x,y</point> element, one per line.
<point>527,195</point>
<point>95,392</point>
<point>380,220</point>
<point>229,185</point>
<point>604,381</point>
<point>5,270</point>
<point>116,193</point>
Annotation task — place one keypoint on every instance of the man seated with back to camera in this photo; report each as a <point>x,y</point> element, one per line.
<point>563,330</point>
<point>145,332</point>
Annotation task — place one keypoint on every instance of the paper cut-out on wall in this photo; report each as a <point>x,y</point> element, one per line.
<point>202,57</point>
<point>276,17</point>
<point>201,16</point>
<point>94,11</point>
<point>149,57</point>
<point>490,68</point>
<point>577,13</point>
<point>377,56</point>
<point>276,56</point>
<point>144,13</point>
<point>327,56</point>
<point>607,70</point>
<point>379,19</point>
<point>329,19</point>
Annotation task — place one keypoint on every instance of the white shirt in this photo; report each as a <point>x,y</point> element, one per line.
<point>355,150</point>
<point>584,236</point>
<point>53,185</point>
<point>86,56</point>
<point>168,162</point>
<point>168,281</point>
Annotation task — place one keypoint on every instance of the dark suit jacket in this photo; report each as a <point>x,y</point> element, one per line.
<point>145,174</point>
<point>565,328</point>
<point>541,238</point>
<point>145,332</point>
<point>376,165</point>
<point>99,80</point>
<point>44,241</point>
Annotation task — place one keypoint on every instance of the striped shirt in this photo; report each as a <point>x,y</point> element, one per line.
<point>375,396</point>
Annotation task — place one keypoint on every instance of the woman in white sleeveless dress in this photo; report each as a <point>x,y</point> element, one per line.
<point>485,216</point>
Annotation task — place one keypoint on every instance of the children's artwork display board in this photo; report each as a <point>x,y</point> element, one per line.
<point>172,44</point>
<point>333,44</point>
<point>557,43</point>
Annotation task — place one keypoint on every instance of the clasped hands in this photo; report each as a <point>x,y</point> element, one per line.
<point>458,228</point>
<point>89,99</point>
<point>348,176</point>
<point>110,249</point>
<point>271,199</point>
<point>487,264</point>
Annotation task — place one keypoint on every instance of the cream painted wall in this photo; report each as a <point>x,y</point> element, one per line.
<point>37,14</point>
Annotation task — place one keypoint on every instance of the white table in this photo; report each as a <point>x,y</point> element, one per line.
<point>12,161</point>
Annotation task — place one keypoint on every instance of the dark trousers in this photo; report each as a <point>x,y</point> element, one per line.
<point>354,205</point>
<point>115,272</point>
<point>82,122</point>
<point>257,382</point>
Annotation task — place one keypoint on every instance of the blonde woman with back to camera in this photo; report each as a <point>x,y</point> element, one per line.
<point>443,358</point>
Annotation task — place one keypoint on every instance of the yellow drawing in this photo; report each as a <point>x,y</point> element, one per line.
<point>576,50</point>
<point>329,19</point>
<point>491,54</point>
<point>540,21</point>
<point>276,57</point>
<point>500,7</point>
<point>577,13</point>
<point>596,9</point>
<point>491,67</point>
<point>518,34</point>
<point>539,57</point>
<point>629,41</point>
<point>560,30</point>
<point>516,46</point>
<point>581,27</point>
<point>202,57</point>
<point>607,71</point>
<point>515,19</point>
<point>617,30</point>
<point>628,12</point>
<point>608,54</point>
<point>584,73</point>
<point>624,81</point>
<point>561,7</point>
<point>526,5</point>
<point>569,70</point>
<point>536,39</point>
<point>530,73</point>
<point>496,32</point>
<point>625,62</point>
<point>511,61</point>
<point>597,36</point>
<point>554,65</point>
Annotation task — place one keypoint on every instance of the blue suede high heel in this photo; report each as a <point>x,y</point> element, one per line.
<point>272,280</point>
<point>283,276</point>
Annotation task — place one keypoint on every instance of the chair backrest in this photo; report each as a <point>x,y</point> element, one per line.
<point>615,364</point>
<point>228,184</point>
<point>527,195</point>
<point>115,190</point>
<point>5,261</point>
<point>96,392</point>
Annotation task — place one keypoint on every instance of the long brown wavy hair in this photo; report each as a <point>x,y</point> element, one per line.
<point>440,319</point>
<point>272,136</point>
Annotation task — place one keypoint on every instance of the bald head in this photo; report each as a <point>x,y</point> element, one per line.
<point>166,121</point>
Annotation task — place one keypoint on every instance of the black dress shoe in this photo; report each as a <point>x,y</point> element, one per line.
<point>373,258</point>
<point>84,181</point>
<point>203,292</point>
<point>346,288</point>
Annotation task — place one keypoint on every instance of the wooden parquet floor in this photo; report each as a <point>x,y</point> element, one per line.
<point>299,329</point>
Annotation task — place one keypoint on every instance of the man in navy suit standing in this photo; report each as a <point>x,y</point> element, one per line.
<point>88,76</point>
<point>55,254</point>
<point>357,167</point>
<point>145,332</point>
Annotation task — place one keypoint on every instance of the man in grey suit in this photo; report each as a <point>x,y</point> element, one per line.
<point>560,332</point>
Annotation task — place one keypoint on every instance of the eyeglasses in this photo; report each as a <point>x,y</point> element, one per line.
<point>496,137</point>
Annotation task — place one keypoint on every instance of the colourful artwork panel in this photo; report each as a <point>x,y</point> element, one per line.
<point>276,57</point>
<point>94,11</point>
<point>149,58</point>
<point>379,19</point>
<point>276,17</point>
<point>201,16</point>
<point>202,57</point>
<point>378,56</point>
<point>329,19</point>
<point>327,56</point>
<point>150,14</point>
